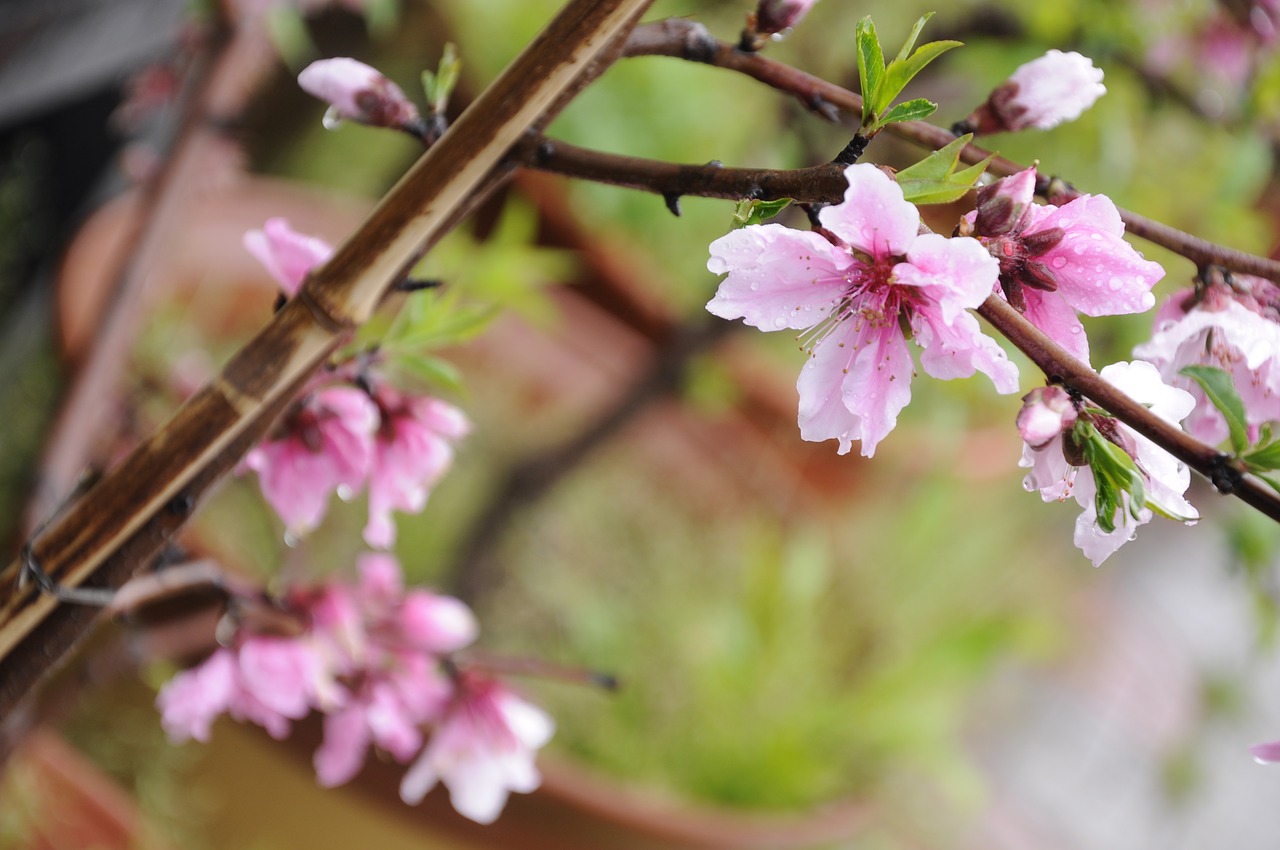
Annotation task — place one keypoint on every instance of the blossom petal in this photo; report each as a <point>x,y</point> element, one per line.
<point>778,277</point>
<point>855,385</point>
<point>1098,273</point>
<point>957,274</point>
<point>1051,313</point>
<point>875,217</point>
<point>960,349</point>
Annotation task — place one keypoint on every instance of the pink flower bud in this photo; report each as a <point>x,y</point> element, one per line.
<point>774,16</point>
<point>1046,413</point>
<point>1041,94</point>
<point>1002,205</point>
<point>356,92</point>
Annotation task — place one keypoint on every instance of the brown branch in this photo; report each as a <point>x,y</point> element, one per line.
<point>826,183</point>
<point>821,183</point>
<point>688,40</point>
<point>118,524</point>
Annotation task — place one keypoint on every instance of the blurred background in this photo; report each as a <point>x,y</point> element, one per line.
<point>816,651</point>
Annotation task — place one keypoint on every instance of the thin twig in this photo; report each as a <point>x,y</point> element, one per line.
<point>684,39</point>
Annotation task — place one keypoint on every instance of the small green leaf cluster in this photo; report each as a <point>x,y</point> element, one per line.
<point>935,180</point>
<point>882,84</point>
<point>439,86</point>
<point>1114,472</point>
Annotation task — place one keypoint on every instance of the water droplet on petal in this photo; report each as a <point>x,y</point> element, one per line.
<point>1058,262</point>
<point>1115,283</point>
<point>345,493</point>
<point>755,285</point>
<point>779,322</point>
<point>291,540</point>
<point>332,119</point>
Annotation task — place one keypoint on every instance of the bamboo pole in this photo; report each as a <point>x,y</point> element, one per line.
<point>101,538</point>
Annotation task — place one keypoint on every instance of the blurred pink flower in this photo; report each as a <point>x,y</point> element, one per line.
<point>357,92</point>
<point>1040,94</point>
<point>1221,326</point>
<point>414,447</point>
<point>482,750</point>
<point>325,445</point>
<point>287,254</point>
<point>1165,478</point>
<point>1055,261</point>
<point>269,681</point>
<point>1268,753</point>
<point>853,288</point>
<point>371,656</point>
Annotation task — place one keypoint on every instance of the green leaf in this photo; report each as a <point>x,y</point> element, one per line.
<point>1271,480</point>
<point>437,320</point>
<point>911,39</point>
<point>757,212</point>
<point>436,371</point>
<point>439,86</point>
<point>910,110</point>
<point>870,68</point>
<point>1263,459</point>
<point>934,180</point>
<point>1221,390</point>
<point>901,72</point>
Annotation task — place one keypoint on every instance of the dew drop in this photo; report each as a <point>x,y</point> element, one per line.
<point>291,540</point>
<point>1058,262</point>
<point>1115,283</point>
<point>345,493</point>
<point>332,119</point>
<point>755,284</point>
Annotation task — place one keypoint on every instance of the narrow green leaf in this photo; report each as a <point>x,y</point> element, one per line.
<point>1221,390</point>
<point>436,371</point>
<point>870,68</point>
<point>1272,481</point>
<point>1264,459</point>
<point>909,110</point>
<point>898,74</point>
<point>911,39</point>
<point>934,180</point>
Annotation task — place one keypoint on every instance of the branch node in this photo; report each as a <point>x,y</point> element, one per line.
<point>1224,474</point>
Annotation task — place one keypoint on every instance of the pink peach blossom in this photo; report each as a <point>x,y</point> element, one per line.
<point>852,289</point>
<point>1165,478</point>
<point>1226,328</point>
<point>287,254</point>
<point>1055,261</point>
<point>413,449</point>
<point>326,445</point>
<point>482,750</point>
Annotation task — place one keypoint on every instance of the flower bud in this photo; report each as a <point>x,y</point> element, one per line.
<point>774,16</point>
<point>1046,413</point>
<point>356,92</point>
<point>1041,94</point>
<point>1002,205</point>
